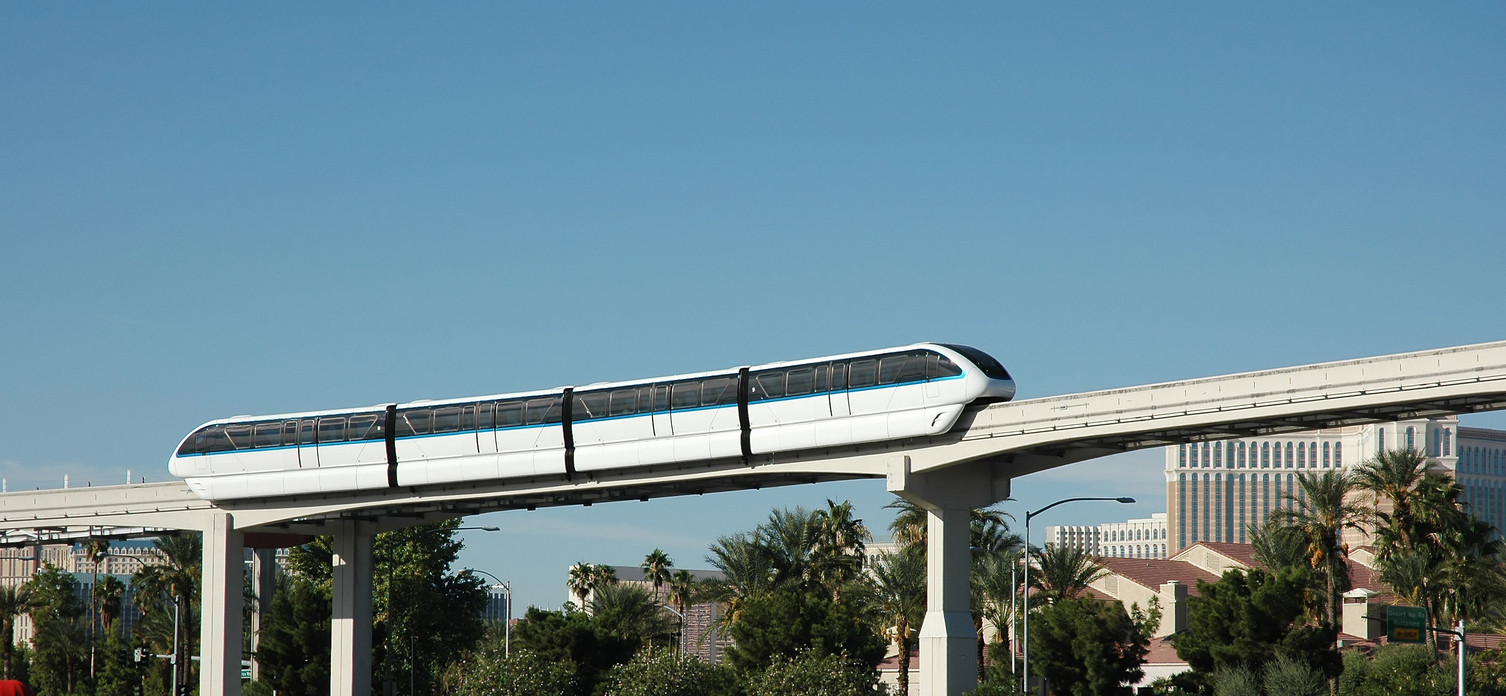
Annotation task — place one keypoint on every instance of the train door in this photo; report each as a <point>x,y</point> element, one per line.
<point>838,394</point>
<point>933,388</point>
<point>308,452</point>
<point>662,427</point>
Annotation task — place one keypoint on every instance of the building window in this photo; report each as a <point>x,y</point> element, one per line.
<point>1325,455</point>
<point>1265,455</point>
<point>1182,511</point>
<point>1288,455</point>
<point>1241,455</point>
<point>1207,506</point>
<point>1312,454</point>
<point>1207,461</point>
<point>1182,455</point>
<point>1380,440</point>
<point>1301,456</point>
<point>1338,454</point>
<point>1218,456</point>
<point>1411,438</point>
<point>1448,438</point>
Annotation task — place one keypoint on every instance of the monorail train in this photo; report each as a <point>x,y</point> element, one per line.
<point>877,395</point>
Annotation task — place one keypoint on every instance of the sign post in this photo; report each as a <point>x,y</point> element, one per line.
<point>1406,624</point>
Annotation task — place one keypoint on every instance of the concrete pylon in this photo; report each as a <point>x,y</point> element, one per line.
<point>264,584</point>
<point>350,632</point>
<point>948,643</point>
<point>224,579</point>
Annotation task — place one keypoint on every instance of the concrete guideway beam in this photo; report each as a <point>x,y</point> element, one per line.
<point>350,631</point>
<point>220,609</point>
<point>948,641</point>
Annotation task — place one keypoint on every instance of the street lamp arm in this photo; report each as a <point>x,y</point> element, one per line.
<point>1029,515</point>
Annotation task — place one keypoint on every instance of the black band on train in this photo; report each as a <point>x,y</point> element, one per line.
<point>390,431</point>
<point>742,414</point>
<point>565,414</point>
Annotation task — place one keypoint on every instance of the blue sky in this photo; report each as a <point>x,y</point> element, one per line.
<point>210,210</point>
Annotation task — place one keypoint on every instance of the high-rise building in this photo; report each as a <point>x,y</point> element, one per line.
<point>1216,491</point>
<point>1142,538</point>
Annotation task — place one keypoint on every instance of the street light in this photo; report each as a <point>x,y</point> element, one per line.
<point>1028,516</point>
<point>390,687</point>
<point>507,622</point>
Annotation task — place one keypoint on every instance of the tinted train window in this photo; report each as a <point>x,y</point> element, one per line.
<point>687,395</point>
<point>306,432</point>
<point>589,405</point>
<point>941,367</point>
<point>484,417</point>
<point>800,381</point>
<point>366,427</point>
<point>240,436</point>
<point>546,410</point>
<point>864,374</point>
<point>414,422</point>
<point>215,440</point>
<point>509,414</point>
<point>467,417</point>
<point>624,402</point>
<point>290,433</point>
<point>446,420</point>
<point>645,399</point>
<point>267,435</point>
<point>838,376</point>
<point>718,391</point>
<point>766,385</point>
<point>984,361</point>
<point>331,429</point>
<point>821,372</point>
<point>661,398</point>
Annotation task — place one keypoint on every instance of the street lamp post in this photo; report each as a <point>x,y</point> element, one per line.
<point>506,588</point>
<point>1028,517</point>
<point>390,687</point>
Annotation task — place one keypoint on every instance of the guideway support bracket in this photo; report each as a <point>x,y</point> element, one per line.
<point>948,643</point>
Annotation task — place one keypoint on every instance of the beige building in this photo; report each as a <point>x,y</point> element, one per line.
<point>1142,538</point>
<point>1215,491</point>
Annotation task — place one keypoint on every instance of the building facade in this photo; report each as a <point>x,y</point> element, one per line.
<point>1217,491</point>
<point>1142,538</point>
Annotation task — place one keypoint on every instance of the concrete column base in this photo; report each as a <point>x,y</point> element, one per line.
<point>220,622</point>
<point>350,631</point>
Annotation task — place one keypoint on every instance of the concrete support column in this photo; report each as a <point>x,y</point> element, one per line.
<point>948,644</point>
<point>224,578</point>
<point>350,634</point>
<point>264,584</point>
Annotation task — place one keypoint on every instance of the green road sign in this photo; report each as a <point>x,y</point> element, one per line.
<point>1406,624</point>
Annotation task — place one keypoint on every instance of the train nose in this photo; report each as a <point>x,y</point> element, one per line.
<point>1000,389</point>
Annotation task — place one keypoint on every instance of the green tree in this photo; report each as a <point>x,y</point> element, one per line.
<point>814,673</point>
<point>1246,618</point>
<point>1322,512</point>
<point>899,593</point>
<point>1277,546</point>
<point>60,635</point>
<point>747,571</point>
<point>1064,571</point>
<point>1235,680</point>
<point>579,581</point>
<point>1086,647</point>
<point>682,593</point>
<point>14,601</point>
<point>293,650</point>
<point>837,551</point>
<point>1290,677</point>
<point>109,595</point>
<point>169,581</point>
<point>117,671</point>
<point>488,671</point>
<point>656,570</point>
<point>667,674</point>
<point>631,613</point>
<point>573,637</point>
<point>787,622</point>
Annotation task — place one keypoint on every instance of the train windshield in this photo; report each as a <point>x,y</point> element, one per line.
<point>984,361</point>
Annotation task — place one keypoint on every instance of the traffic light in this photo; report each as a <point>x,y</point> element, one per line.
<point>139,655</point>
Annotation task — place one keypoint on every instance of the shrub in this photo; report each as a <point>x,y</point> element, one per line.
<point>1289,677</point>
<point>1235,681</point>
<point>814,674</point>
<point>524,673</point>
<point>667,674</point>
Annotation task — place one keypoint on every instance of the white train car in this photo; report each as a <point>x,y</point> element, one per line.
<point>889,394</point>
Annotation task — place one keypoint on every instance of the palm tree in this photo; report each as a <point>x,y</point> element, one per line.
<point>656,567</point>
<point>747,571</point>
<point>1393,476</point>
<point>602,576</point>
<point>173,578</point>
<point>111,592</point>
<point>790,536</point>
<point>14,601</point>
<point>98,550</point>
<point>1065,571</point>
<point>839,546</point>
<point>996,581</point>
<point>579,582</point>
<point>682,594</point>
<point>1322,511</point>
<point>899,593</point>
<point>1278,546</point>
<point>628,611</point>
